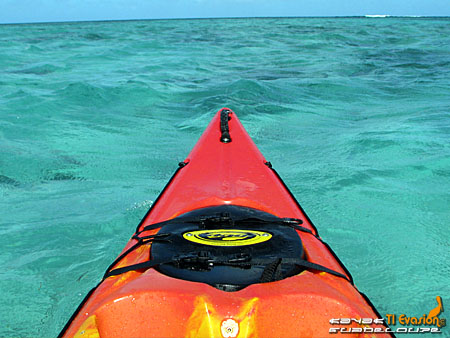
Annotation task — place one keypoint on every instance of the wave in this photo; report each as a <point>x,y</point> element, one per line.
<point>377,16</point>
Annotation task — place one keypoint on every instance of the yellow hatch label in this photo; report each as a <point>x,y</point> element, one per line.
<point>227,237</point>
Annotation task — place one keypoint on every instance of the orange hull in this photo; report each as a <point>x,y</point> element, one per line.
<point>148,303</point>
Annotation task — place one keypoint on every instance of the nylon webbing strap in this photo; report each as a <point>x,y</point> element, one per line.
<point>291,222</point>
<point>134,267</point>
<point>155,225</point>
<point>300,262</point>
<point>140,241</point>
<point>314,266</point>
<point>253,262</point>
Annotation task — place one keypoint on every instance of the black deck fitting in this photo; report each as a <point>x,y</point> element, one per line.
<point>224,128</point>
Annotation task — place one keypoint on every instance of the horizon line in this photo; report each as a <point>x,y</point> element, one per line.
<point>365,16</point>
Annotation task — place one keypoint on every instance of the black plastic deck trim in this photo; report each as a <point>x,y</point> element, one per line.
<point>181,165</point>
<point>224,127</point>
<point>269,165</point>
<point>83,302</point>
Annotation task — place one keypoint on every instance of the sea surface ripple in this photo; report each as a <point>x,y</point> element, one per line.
<point>354,113</point>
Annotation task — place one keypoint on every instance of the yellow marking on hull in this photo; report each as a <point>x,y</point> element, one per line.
<point>88,329</point>
<point>206,319</point>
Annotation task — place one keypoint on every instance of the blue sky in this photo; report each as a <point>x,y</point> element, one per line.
<point>15,11</point>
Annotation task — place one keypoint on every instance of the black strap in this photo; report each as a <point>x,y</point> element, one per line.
<point>134,267</point>
<point>314,266</point>
<point>291,222</point>
<point>155,226</point>
<point>140,241</point>
<point>267,275</point>
<point>303,263</point>
<point>271,272</point>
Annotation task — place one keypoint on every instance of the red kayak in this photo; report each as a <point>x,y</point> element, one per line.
<point>225,251</point>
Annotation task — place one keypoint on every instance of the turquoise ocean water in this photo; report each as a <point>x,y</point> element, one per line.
<point>354,113</point>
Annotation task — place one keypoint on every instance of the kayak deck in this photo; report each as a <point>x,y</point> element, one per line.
<point>224,170</point>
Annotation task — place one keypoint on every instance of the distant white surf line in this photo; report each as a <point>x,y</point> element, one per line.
<point>392,16</point>
<point>376,15</point>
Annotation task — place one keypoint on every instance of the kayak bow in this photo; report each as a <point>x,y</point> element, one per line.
<point>225,251</point>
